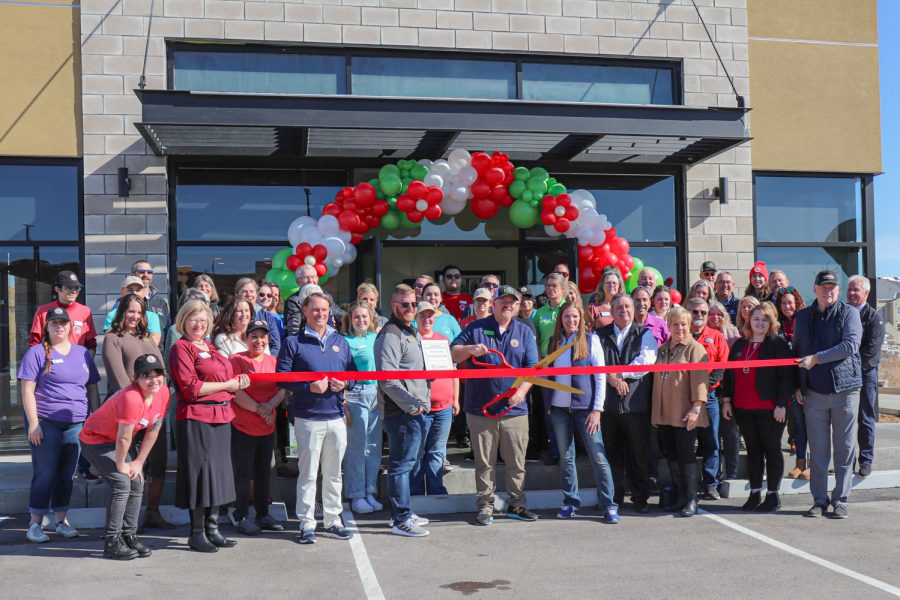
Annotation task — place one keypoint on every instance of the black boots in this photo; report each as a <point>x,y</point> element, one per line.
<point>690,477</point>
<point>771,504</point>
<point>670,496</point>
<point>115,548</point>
<point>132,541</point>
<point>212,530</point>
<point>198,540</point>
<point>752,502</point>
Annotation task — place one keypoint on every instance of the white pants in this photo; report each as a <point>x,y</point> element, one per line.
<point>319,443</point>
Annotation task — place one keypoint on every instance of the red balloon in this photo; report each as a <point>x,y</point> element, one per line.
<point>483,208</point>
<point>380,208</point>
<point>481,162</point>
<point>415,216</point>
<point>494,176</point>
<point>587,280</point>
<point>562,225</point>
<point>303,250</point>
<point>365,194</point>
<point>498,193</point>
<point>620,246</point>
<point>564,199</point>
<point>548,218</point>
<point>321,269</point>
<point>320,252</point>
<point>585,253</point>
<point>349,204</point>
<point>571,213</point>
<point>293,262</point>
<point>626,261</point>
<point>603,249</point>
<point>675,295</point>
<point>360,228</point>
<point>434,195</point>
<point>348,220</point>
<point>506,200</point>
<point>417,189</point>
<point>548,203</point>
<point>608,258</point>
<point>373,221</point>
<point>355,238</point>
<point>332,209</point>
<point>610,234</point>
<point>405,203</point>
<point>433,212</point>
<point>480,190</point>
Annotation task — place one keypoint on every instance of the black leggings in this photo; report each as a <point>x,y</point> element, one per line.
<point>678,444</point>
<point>251,458</point>
<point>762,434</point>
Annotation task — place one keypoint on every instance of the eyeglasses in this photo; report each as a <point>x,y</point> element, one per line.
<point>490,285</point>
<point>789,290</point>
<point>406,304</point>
<point>263,295</point>
<point>143,271</point>
<point>453,276</point>
<point>699,313</point>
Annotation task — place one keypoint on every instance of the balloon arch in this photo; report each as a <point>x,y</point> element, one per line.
<point>408,192</point>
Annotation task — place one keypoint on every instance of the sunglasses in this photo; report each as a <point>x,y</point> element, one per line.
<point>72,290</point>
<point>789,290</point>
<point>490,285</point>
<point>262,295</point>
<point>143,271</point>
<point>452,276</point>
<point>406,304</point>
<point>699,313</point>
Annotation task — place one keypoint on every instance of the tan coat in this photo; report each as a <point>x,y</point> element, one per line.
<point>675,391</point>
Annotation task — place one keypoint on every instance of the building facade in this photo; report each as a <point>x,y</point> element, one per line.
<point>198,129</point>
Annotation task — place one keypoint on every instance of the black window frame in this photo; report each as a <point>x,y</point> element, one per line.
<point>867,210</point>
<point>675,65</point>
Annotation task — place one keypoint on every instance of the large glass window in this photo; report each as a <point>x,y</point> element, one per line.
<point>39,202</point>
<point>597,83</point>
<point>433,78</point>
<point>808,209</point>
<point>802,263</point>
<point>259,72</point>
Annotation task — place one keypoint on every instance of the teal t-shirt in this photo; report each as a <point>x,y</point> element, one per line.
<point>152,321</point>
<point>362,349</point>
<point>446,325</point>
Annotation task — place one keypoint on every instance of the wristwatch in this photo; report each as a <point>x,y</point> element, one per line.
<point>695,410</point>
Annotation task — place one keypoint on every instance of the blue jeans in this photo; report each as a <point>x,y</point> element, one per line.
<point>868,416</point>
<point>362,459</point>
<point>53,464</point>
<point>801,439</point>
<point>427,477</point>
<point>564,420</point>
<point>405,434</point>
<point>708,442</point>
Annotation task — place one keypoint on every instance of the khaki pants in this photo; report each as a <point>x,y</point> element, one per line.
<point>510,436</point>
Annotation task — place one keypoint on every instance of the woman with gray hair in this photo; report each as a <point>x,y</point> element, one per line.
<point>701,289</point>
<point>204,283</point>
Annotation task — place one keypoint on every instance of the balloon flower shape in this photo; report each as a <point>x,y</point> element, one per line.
<point>559,212</point>
<point>357,210</point>
<point>421,202</point>
<point>490,190</point>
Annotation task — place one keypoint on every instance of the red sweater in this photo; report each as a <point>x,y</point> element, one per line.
<point>190,367</point>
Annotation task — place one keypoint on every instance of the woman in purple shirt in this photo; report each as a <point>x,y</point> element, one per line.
<point>644,316</point>
<point>58,381</point>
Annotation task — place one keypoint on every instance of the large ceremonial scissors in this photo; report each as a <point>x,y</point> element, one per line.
<point>539,381</point>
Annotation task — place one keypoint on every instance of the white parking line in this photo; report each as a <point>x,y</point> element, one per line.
<point>361,557</point>
<point>890,589</point>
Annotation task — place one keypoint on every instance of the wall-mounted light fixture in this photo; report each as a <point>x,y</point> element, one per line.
<point>124,182</point>
<point>721,192</point>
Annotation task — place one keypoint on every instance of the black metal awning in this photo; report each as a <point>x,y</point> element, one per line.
<point>179,123</point>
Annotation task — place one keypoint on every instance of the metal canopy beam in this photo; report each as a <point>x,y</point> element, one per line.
<point>187,123</point>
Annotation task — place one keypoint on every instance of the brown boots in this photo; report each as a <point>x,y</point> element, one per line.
<point>800,470</point>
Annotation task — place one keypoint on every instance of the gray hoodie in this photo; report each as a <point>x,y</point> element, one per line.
<point>398,347</point>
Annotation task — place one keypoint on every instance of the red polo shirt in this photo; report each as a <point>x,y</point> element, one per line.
<point>83,331</point>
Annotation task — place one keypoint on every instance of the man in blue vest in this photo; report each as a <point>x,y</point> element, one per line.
<point>626,411</point>
<point>827,335</point>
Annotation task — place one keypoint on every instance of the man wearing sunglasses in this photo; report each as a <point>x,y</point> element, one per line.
<point>156,301</point>
<point>456,301</point>
<point>708,437</point>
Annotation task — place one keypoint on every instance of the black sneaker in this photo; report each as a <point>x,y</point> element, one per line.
<point>269,523</point>
<point>865,469</point>
<point>463,442</point>
<point>521,513</point>
<point>307,536</point>
<point>338,532</point>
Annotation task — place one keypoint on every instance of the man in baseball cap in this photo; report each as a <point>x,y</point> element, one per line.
<point>708,271</point>
<point>132,284</point>
<point>67,287</point>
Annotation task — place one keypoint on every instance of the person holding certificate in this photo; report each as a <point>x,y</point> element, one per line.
<point>427,476</point>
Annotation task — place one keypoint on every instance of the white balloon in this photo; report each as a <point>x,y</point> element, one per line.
<point>338,262</point>
<point>421,205</point>
<point>310,235</point>
<point>549,229</point>
<point>467,175</point>
<point>328,225</point>
<point>296,226</point>
<point>332,269</point>
<point>434,179</point>
<point>350,254</point>
<point>425,163</point>
<point>459,193</point>
<point>310,260</point>
<point>450,206</point>
<point>335,246</point>
<point>441,167</point>
<point>344,236</point>
<point>459,155</point>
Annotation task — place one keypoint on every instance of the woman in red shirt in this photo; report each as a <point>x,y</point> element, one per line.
<point>253,432</point>
<point>204,388</point>
<point>760,398</point>
<point>106,441</point>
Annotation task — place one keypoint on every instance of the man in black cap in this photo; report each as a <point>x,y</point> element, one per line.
<point>67,287</point>
<point>708,271</point>
<point>827,335</point>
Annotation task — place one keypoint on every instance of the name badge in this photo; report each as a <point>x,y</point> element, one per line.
<point>605,314</point>
<point>336,348</point>
<point>204,355</point>
<point>514,343</point>
<point>708,340</point>
<point>56,361</point>
<point>77,323</point>
<point>144,422</point>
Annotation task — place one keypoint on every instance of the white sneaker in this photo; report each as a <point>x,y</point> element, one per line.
<point>409,528</point>
<point>66,530</point>
<point>36,534</point>
<point>375,504</point>
<point>361,506</point>
<point>419,520</point>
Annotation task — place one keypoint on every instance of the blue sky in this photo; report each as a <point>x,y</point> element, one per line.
<point>887,186</point>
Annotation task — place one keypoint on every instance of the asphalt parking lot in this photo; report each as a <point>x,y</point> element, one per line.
<point>728,554</point>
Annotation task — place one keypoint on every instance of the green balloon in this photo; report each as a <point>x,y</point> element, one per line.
<point>535,202</point>
<point>521,174</point>
<point>323,278</point>
<point>537,186</point>
<point>404,185</point>
<point>419,172</point>
<point>388,170</point>
<point>405,223</point>
<point>523,215</point>
<point>540,173</point>
<point>406,164</point>
<point>391,220</point>
<point>516,188</point>
<point>551,181</point>
<point>392,203</point>
<point>271,273</point>
<point>280,257</point>
<point>284,277</point>
<point>404,174</point>
<point>556,189</point>
<point>638,264</point>
<point>289,290</point>
<point>391,184</point>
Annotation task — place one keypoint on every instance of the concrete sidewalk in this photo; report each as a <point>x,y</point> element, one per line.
<point>889,404</point>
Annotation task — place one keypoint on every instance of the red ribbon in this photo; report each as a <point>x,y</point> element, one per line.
<point>516,372</point>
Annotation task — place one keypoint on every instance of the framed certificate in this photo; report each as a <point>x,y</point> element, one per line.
<point>437,355</point>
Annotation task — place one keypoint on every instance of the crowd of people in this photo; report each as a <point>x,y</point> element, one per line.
<point>228,429</point>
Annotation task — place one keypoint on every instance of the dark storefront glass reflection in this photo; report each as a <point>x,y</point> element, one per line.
<point>808,209</point>
<point>802,264</point>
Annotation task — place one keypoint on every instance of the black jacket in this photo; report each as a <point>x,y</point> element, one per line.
<point>637,400</point>
<point>772,383</point>
<point>872,337</point>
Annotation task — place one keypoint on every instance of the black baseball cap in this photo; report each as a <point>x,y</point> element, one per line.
<point>67,279</point>
<point>526,292</point>
<point>146,363</point>
<point>825,277</point>
<point>508,290</point>
<point>257,325</point>
<point>708,266</point>
<point>58,313</point>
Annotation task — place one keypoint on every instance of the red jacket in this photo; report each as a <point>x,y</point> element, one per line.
<point>717,349</point>
<point>83,331</point>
